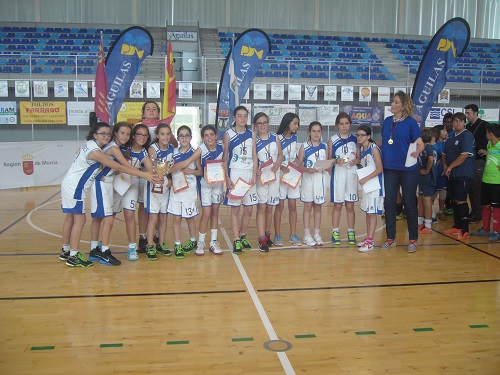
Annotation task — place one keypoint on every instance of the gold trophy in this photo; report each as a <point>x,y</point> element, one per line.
<point>161,167</point>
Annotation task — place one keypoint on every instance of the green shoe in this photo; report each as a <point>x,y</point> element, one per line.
<point>78,260</point>
<point>178,252</point>
<point>162,249</point>
<point>190,246</point>
<point>245,243</point>
<point>150,253</point>
<point>237,247</point>
<point>336,237</point>
<point>351,237</point>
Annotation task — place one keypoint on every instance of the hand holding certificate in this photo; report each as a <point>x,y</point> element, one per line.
<point>241,187</point>
<point>214,172</point>
<point>122,182</point>
<point>293,176</point>
<point>267,173</point>
<point>323,164</point>
<point>179,181</point>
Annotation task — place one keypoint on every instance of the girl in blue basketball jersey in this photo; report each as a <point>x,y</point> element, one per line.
<point>314,182</point>
<point>155,204</point>
<point>182,203</point>
<point>211,194</point>
<point>76,184</point>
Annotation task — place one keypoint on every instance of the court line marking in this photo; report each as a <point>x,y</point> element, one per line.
<point>285,362</point>
<point>25,215</point>
<point>34,226</point>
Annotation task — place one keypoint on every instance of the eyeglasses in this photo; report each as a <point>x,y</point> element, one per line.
<point>105,134</point>
<point>361,135</point>
<point>262,123</point>
<point>141,135</point>
<point>182,136</point>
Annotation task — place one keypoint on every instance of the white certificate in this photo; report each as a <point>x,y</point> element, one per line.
<point>214,173</point>
<point>323,164</point>
<point>122,182</point>
<point>410,160</point>
<point>240,189</point>
<point>267,173</point>
<point>372,184</point>
<point>293,176</point>
<point>179,181</point>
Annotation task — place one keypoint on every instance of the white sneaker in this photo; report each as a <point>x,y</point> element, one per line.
<point>200,248</point>
<point>215,248</point>
<point>318,240</point>
<point>367,246</point>
<point>361,243</point>
<point>309,241</point>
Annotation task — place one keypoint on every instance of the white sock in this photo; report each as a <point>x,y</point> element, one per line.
<point>104,248</point>
<point>192,239</point>
<point>94,244</point>
<point>335,229</point>
<point>428,223</point>
<point>420,220</point>
<point>201,237</point>
<point>132,245</point>
<point>73,252</point>
<point>213,234</point>
<point>66,247</point>
<point>177,242</point>
<point>307,232</point>
<point>316,231</point>
<point>142,235</point>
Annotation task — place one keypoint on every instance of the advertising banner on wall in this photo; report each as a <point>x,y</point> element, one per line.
<point>43,113</point>
<point>371,115</point>
<point>79,113</point>
<point>35,163</point>
<point>8,113</point>
<point>275,112</point>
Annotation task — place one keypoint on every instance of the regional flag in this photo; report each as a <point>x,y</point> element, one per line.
<point>101,88</point>
<point>169,91</point>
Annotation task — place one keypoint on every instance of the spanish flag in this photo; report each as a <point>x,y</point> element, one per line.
<point>101,88</point>
<point>169,91</point>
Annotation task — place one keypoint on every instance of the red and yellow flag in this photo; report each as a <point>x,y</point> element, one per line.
<point>101,88</point>
<point>169,92</point>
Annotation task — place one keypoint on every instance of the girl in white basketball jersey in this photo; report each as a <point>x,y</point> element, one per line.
<point>101,198</point>
<point>126,198</point>
<point>288,139</point>
<point>373,201</point>
<point>343,148</point>
<point>156,203</point>
<point>268,147</point>
<point>182,203</point>
<point>239,155</point>
<point>314,182</point>
<point>76,184</point>
<point>211,194</point>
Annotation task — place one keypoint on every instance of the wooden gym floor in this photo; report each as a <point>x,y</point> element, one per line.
<point>294,310</point>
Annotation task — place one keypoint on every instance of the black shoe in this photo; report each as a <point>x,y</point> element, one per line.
<point>162,249</point>
<point>150,253</point>
<point>156,239</point>
<point>190,246</point>
<point>237,247</point>
<point>245,243</point>
<point>178,252</point>
<point>263,246</point>
<point>143,244</point>
<point>475,220</point>
<point>64,255</point>
<point>78,260</point>
<point>104,257</point>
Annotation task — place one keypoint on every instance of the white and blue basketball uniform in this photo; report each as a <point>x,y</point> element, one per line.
<point>344,179</point>
<point>79,178</point>
<point>314,185</point>
<point>268,149</point>
<point>372,202</point>
<point>101,192</point>
<point>290,151</point>
<point>210,193</point>
<point>155,203</point>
